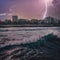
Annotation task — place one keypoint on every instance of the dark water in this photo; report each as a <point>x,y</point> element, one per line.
<point>27,43</point>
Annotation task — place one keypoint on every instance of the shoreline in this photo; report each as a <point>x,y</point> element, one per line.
<point>2,26</point>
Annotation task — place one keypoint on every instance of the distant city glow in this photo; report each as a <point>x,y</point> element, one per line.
<point>47,3</point>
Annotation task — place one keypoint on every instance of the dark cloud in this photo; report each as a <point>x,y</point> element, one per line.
<point>55,9</point>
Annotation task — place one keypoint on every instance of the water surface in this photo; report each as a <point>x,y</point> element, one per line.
<point>17,35</point>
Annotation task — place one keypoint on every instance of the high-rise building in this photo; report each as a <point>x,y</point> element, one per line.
<point>50,20</point>
<point>14,18</point>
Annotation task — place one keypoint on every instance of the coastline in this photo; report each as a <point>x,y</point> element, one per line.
<point>28,26</point>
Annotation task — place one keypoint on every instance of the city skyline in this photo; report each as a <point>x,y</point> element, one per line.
<point>16,18</point>
<point>29,9</point>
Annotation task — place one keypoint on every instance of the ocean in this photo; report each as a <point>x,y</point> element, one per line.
<point>30,43</point>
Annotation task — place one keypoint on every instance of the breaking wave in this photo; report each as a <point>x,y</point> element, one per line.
<point>45,48</point>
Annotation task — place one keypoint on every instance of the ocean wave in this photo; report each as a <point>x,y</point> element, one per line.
<point>45,48</point>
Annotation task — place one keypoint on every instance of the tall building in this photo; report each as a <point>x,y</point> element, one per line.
<point>50,20</point>
<point>14,18</point>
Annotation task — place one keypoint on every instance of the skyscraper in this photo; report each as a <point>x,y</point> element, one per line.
<point>14,18</point>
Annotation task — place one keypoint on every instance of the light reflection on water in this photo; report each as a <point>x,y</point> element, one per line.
<point>17,35</point>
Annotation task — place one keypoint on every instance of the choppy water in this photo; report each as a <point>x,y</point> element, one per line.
<point>18,35</point>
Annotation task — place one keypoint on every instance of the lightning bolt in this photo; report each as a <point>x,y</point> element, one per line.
<point>46,7</point>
